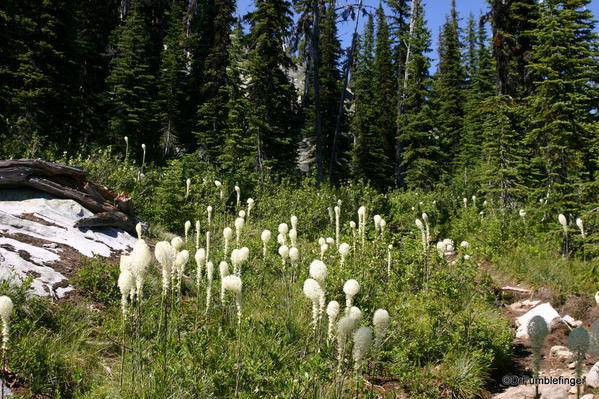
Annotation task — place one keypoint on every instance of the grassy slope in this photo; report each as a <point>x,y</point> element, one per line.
<point>445,338</point>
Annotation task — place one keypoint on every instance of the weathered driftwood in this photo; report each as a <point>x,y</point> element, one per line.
<point>516,289</point>
<point>109,219</point>
<point>111,208</point>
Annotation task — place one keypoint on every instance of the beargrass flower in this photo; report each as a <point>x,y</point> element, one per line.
<point>265,236</point>
<point>337,228</point>
<point>227,236</point>
<point>314,292</point>
<point>332,313</point>
<point>6,307</point>
<point>351,289</point>
<point>380,321</point>
<point>126,283</point>
<point>580,226</point>
<point>293,237</point>
<point>318,271</point>
<point>233,283</point>
<point>362,343</point>
<point>343,251</point>
<point>197,234</point>
<point>165,255</point>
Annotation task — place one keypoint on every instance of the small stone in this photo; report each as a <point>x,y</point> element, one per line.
<point>587,396</point>
<point>569,320</point>
<point>572,390</point>
<point>572,365</point>
<point>562,353</point>
<point>592,378</point>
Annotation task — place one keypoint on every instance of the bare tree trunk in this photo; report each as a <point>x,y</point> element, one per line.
<point>348,66</point>
<point>315,50</point>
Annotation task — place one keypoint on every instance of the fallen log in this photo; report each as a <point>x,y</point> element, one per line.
<point>111,208</point>
<point>516,289</point>
<point>109,219</point>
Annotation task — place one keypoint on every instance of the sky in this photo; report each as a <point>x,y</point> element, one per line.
<point>435,12</point>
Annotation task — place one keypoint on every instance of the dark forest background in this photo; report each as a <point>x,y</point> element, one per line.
<point>510,110</point>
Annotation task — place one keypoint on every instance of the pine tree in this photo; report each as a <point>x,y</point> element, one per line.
<point>384,95</point>
<point>512,43</point>
<point>369,158</point>
<point>239,151</point>
<point>420,151</point>
<point>502,161</point>
<point>132,94</point>
<point>479,87</point>
<point>400,28</point>
<point>40,74</point>
<point>211,114</point>
<point>172,78</point>
<point>449,94</point>
<point>563,122</point>
<point>270,91</point>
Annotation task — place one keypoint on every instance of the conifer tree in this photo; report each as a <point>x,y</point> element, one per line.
<point>132,86</point>
<point>271,94</point>
<point>384,95</point>
<point>479,87</point>
<point>449,93</point>
<point>211,113</point>
<point>502,152</point>
<point>369,158</point>
<point>239,151</point>
<point>420,151</point>
<point>563,121</point>
<point>40,76</point>
<point>172,78</point>
<point>512,43</point>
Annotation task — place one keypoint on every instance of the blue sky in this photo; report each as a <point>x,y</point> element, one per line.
<point>435,11</point>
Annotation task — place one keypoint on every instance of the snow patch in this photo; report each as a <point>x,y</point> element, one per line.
<point>54,221</point>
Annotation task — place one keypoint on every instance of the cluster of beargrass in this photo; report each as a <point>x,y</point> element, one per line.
<point>324,293</point>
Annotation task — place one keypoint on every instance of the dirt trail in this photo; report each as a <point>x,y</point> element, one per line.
<point>557,363</point>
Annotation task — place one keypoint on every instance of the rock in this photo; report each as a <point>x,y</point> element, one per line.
<point>37,237</point>
<point>530,303</point>
<point>572,365</point>
<point>569,320</point>
<point>572,390</point>
<point>562,353</point>
<point>587,396</point>
<point>527,391</point>
<point>7,391</point>
<point>592,378</point>
<point>545,310</point>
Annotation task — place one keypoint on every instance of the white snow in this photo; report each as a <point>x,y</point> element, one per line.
<point>62,214</point>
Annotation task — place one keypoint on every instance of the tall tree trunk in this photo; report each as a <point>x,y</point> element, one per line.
<point>315,50</point>
<point>348,66</point>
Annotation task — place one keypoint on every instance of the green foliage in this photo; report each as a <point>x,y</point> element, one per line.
<point>369,158</point>
<point>98,281</point>
<point>561,107</point>
<point>449,93</point>
<point>419,147</point>
<point>270,91</point>
<point>132,94</point>
<point>211,115</point>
